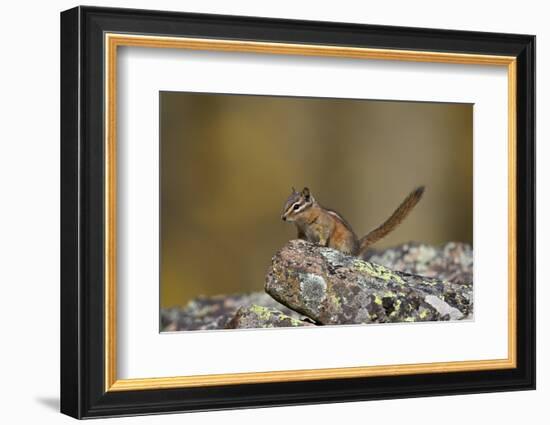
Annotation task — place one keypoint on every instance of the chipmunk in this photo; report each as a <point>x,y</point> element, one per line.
<point>326,227</point>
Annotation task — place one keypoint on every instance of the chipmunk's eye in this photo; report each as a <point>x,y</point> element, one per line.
<point>296,206</point>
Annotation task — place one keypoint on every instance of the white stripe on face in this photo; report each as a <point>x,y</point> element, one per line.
<point>300,209</point>
<point>290,209</point>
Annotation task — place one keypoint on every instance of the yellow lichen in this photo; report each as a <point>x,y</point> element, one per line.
<point>262,312</point>
<point>266,314</point>
<point>378,271</point>
<point>294,322</point>
<point>396,306</point>
<point>336,301</point>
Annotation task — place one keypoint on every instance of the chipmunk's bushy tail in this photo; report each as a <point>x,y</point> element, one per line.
<point>395,219</point>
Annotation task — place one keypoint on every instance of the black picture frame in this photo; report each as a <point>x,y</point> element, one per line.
<point>83,392</point>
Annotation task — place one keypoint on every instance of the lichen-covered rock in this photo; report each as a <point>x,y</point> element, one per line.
<point>257,316</point>
<point>333,288</point>
<point>205,313</point>
<point>454,261</point>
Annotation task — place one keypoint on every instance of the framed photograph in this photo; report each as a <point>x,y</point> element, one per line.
<point>261,212</point>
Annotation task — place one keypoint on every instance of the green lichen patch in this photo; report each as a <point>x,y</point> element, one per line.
<point>256,316</point>
<point>377,271</point>
<point>263,313</point>
<point>335,300</point>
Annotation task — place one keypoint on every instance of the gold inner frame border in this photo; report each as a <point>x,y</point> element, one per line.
<point>113,40</point>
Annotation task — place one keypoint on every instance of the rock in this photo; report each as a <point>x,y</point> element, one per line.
<point>453,261</point>
<point>257,316</point>
<point>420,298</point>
<point>333,288</point>
<point>204,313</point>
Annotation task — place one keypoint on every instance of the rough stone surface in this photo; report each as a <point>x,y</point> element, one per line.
<point>205,313</point>
<point>333,288</point>
<point>453,261</point>
<point>257,316</point>
<point>446,296</point>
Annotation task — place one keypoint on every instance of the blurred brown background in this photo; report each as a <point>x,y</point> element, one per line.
<point>228,163</point>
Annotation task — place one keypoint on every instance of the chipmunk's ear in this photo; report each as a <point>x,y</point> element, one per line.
<point>305,193</point>
<point>293,190</point>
